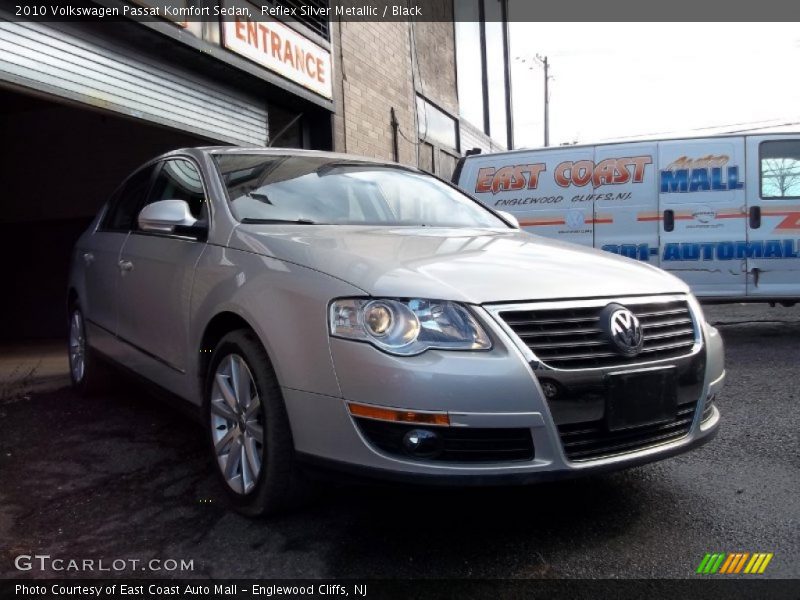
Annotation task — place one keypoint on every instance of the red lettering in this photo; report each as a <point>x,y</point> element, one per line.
<point>604,172</point>
<point>275,45</point>
<point>533,174</point>
<point>320,71</point>
<point>239,28</point>
<point>288,55</point>
<point>560,174</point>
<point>639,163</point>
<point>484,182</point>
<point>310,64</point>
<point>264,34</point>
<point>508,178</point>
<point>252,33</point>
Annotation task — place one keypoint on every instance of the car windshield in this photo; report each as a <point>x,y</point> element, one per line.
<point>322,190</point>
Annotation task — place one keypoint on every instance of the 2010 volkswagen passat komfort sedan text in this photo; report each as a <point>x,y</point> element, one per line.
<point>362,315</point>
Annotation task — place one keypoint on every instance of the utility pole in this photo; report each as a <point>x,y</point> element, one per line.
<point>546,66</point>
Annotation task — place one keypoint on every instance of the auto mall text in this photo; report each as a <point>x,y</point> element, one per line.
<point>230,589</point>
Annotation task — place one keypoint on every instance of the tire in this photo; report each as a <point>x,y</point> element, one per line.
<point>250,437</point>
<point>88,373</point>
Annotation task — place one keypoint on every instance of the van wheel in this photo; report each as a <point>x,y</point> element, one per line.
<point>88,373</point>
<point>251,441</point>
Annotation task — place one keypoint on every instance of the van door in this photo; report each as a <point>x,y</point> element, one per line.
<point>626,200</point>
<point>548,191</point>
<point>703,214</point>
<point>773,200</point>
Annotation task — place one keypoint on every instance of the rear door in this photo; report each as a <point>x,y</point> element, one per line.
<point>101,254</point>
<point>773,199</point>
<point>702,211</point>
<point>626,200</point>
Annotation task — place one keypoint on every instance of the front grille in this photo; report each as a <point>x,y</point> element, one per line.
<point>589,441</point>
<point>570,337</point>
<point>459,444</point>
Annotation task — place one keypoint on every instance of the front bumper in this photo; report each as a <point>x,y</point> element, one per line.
<point>465,385</point>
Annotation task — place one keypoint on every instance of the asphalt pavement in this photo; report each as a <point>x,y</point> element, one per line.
<point>125,477</point>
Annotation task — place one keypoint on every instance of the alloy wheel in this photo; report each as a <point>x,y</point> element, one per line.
<point>77,347</point>
<point>236,424</point>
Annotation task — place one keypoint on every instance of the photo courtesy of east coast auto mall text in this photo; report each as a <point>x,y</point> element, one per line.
<point>399,299</point>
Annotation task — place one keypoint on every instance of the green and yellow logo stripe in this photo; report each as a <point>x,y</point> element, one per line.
<point>734,563</point>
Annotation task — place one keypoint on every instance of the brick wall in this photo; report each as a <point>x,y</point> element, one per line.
<point>373,73</point>
<point>372,62</point>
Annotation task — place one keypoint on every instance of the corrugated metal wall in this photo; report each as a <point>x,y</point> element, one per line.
<point>55,62</point>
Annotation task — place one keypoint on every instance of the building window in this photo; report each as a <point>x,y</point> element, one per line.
<point>469,61</point>
<point>780,169</point>
<point>435,125</point>
<point>481,66</point>
<point>496,70</point>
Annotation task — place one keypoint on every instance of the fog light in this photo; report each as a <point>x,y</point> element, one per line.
<point>422,443</point>
<point>549,388</point>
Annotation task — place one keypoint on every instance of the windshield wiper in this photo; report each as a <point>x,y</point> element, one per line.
<point>252,221</point>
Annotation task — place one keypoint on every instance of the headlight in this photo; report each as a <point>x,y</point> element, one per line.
<point>407,327</point>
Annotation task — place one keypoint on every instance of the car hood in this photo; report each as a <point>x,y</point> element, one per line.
<point>466,265</point>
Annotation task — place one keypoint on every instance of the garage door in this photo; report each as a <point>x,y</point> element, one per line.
<point>35,55</point>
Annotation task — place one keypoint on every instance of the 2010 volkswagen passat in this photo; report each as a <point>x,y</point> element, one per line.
<point>369,317</point>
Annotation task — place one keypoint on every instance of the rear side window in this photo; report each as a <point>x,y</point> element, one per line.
<point>125,204</point>
<point>179,179</point>
<point>780,169</point>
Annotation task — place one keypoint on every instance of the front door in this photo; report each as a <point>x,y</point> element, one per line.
<point>157,274</point>
<point>703,214</point>
<point>773,199</point>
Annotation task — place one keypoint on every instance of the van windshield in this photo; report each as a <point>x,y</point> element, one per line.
<point>323,190</point>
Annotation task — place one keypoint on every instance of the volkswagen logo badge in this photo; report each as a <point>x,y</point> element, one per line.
<point>622,329</point>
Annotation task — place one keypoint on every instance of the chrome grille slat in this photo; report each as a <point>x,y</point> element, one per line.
<point>669,334</point>
<point>566,335</point>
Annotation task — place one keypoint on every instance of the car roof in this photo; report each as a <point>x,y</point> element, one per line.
<point>233,150</point>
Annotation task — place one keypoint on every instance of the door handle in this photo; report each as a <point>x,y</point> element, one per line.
<point>125,265</point>
<point>669,220</point>
<point>755,217</point>
<point>88,258</point>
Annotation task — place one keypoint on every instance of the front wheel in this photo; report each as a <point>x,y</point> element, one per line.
<point>251,441</point>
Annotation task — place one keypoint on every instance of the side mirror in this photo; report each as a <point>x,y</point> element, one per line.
<point>509,218</point>
<point>165,215</point>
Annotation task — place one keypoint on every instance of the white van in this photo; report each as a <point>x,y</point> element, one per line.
<point>722,213</point>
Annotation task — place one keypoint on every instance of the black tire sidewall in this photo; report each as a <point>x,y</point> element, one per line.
<point>84,386</point>
<point>277,450</point>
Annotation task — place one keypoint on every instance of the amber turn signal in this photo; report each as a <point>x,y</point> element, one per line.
<point>398,416</point>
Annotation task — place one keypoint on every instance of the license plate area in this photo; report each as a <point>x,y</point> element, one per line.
<point>641,398</point>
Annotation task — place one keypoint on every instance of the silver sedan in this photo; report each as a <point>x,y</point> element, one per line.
<point>350,314</point>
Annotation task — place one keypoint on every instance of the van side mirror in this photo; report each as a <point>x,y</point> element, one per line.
<point>509,218</point>
<point>165,215</point>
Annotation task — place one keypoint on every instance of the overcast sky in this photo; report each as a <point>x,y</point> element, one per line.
<point>613,80</point>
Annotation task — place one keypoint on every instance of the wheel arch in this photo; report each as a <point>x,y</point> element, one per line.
<point>218,327</point>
